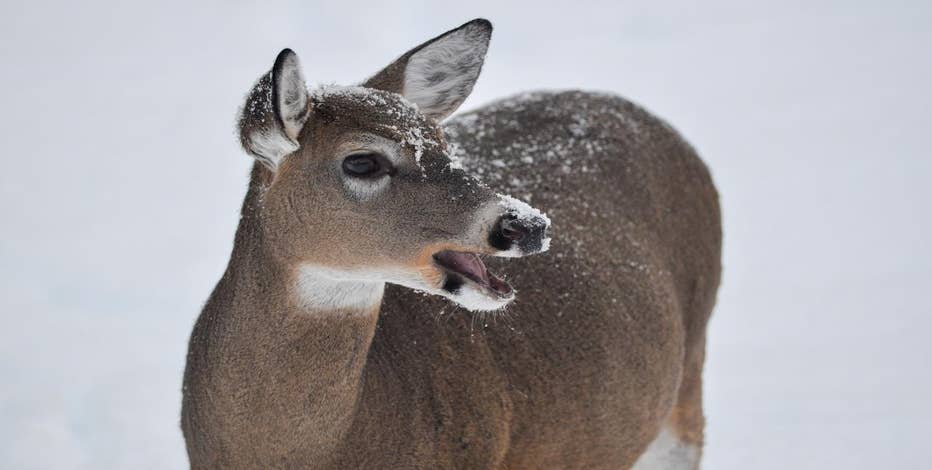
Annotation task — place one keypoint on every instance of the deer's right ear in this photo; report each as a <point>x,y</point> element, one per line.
<point>275,112</point>
<point>438,75</point>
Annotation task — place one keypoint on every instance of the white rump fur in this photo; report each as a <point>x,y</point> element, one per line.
<point>667,452</point>
<point>440,76</point>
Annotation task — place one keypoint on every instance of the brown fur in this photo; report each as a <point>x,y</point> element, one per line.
<point>603,345</point>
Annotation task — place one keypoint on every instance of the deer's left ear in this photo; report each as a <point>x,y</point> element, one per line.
<point>275,111</point>
<point>438,75</point>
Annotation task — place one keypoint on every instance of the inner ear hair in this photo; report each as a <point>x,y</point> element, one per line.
<point>439,74</point>
<point>275,112</point>
<point>290,93</point>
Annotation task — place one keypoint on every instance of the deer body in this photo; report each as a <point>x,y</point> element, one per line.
<point>299,364</point>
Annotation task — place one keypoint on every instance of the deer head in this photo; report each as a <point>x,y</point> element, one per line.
<point>359,188</point>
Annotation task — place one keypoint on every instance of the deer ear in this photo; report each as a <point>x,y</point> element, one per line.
<point>275,111</point>
<point>438,75</point>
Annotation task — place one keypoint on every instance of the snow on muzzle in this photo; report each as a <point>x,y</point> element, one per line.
<point>520,230</point>
<point>504,227</point>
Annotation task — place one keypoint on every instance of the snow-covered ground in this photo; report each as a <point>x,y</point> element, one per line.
<point>121,182</point>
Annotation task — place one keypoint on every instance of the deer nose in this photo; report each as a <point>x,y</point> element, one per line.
<point>529,233</point>
<point>511,229</point>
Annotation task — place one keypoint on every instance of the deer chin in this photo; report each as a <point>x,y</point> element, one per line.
<point>468,282</point>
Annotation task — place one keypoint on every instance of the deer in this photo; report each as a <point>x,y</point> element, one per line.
<point>392,299</point>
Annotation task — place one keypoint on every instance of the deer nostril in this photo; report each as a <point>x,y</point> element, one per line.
<point>524,234</point>
<point>512,229</point>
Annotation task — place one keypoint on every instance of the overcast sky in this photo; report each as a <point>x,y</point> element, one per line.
<point>122,179</point>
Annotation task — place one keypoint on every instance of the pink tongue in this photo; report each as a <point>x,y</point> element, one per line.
<point>467,263</point>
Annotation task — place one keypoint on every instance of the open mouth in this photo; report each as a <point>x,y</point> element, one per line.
<point>462,267</point>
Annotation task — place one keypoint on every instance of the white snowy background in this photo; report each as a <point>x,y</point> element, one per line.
<point>121,180</point>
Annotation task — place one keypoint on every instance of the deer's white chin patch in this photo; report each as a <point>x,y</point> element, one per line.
<point>468,282</point>
<point>477,300</point>
<point>468,295</point>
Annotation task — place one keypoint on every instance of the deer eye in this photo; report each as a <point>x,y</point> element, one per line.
<point>367,165</point>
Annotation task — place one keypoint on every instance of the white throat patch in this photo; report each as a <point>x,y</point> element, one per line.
<point>324,289</point>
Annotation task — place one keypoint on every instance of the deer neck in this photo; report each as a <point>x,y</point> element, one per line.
<point>306,335</point>
<point>289,286</point>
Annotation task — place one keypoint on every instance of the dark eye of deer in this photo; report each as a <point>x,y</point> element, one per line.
<point>366,165</point>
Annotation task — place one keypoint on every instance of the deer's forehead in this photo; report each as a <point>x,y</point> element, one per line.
<point>378,112</point>
<point>368,106</point>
